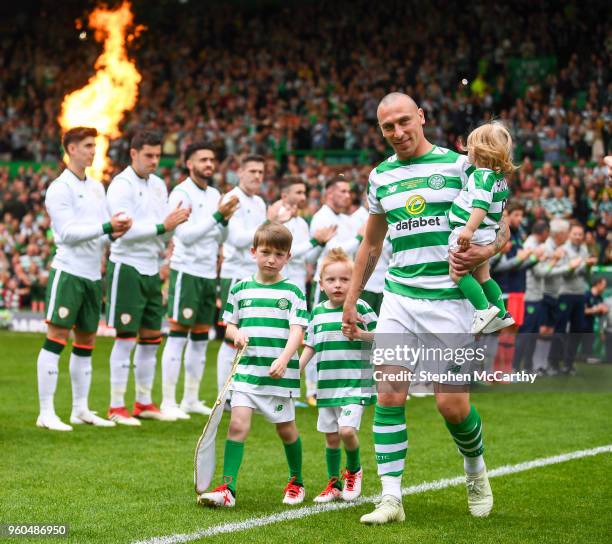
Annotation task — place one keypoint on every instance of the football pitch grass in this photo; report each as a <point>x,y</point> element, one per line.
<point>133,484</point>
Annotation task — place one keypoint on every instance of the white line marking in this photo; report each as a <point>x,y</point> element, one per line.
<point>412,490</point>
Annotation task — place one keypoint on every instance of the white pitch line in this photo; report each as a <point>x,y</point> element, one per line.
<point>305,511</point>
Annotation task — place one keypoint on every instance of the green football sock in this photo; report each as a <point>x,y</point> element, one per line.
<point>231,463</point>
<point>390,439</point>
<point>353,462</point>
<point>294,460</point>
<point>494,296</point>
<point>468,434</point>
<point>333,457</point>
<point>473,292</point>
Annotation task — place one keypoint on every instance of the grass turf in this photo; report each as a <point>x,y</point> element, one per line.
<point>124,484</point>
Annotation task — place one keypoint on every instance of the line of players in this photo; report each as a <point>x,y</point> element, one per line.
<point>138,219</point>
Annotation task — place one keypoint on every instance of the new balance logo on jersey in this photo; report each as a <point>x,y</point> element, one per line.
<point>417,223</point>
<point>248,302</point>
<point>279,408</point>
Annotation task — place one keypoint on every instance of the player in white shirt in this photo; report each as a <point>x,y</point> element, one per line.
<point>238,263</point>
<point>305,248</point>
<point>334,212</point>
<point>134,298</point>
<point>193,280</point>
<point>81,228</point>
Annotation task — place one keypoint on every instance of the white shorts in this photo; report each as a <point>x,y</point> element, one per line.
<point>411,321</point>
<point>482,237</point>
<point>274,409</point>
<point>331,418</point>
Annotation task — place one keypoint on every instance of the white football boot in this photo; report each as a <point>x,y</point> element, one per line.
<point>173,411</point>
<point>389,509</point>
<point>52,422</point>
<point>480,496</point>
<point>197,407</point>
<point>87,417</point>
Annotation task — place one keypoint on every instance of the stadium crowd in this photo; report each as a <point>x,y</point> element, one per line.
<point>289,82</point>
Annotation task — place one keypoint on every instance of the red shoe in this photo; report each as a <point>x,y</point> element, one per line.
<point>352,485</point>
<point>330,493</point>
<point>150,411</point>
<point>219,496</point>
<point>294,493</point>
<point>122,417</point>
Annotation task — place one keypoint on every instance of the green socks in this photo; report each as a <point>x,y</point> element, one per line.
<point>494,296</point>
<point>294,460</point>
<point>390,439</point>
<point>333,457</point>
<point>468,434</point>
<point>353,461</point>
<point>473,291</point>
<point>481,295</point>
<point>231,463</point>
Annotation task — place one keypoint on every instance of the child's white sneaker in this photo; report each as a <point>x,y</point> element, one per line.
<point>294,493</point>
<point>499,323</point>
<point>352,484</point>
<point>330,493</point>
<point>483,317</point>
<point>219,496</point>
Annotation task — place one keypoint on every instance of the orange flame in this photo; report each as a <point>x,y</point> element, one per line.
<point>113,89</point>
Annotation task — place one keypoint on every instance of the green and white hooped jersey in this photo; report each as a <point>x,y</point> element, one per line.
<point>485,189</point>
<point>265,313</point>
<point>416,195</point>
<point>344,371</point>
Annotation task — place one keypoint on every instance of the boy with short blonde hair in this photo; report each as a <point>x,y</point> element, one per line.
<point>344,375</point>
<point>269,312</point>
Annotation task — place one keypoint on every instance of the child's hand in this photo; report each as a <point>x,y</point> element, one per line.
<point>240,339</point>
<point>278,368</point>
<point>465,237</point>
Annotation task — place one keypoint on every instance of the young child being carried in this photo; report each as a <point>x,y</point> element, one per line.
<point>474,218</point>
<point>270,312</point>
<point>344,376</point>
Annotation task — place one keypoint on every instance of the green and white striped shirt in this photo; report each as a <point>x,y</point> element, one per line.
<point>344,371</point>
<point>415,195</point>
<point>485,189</point>
<point>265,313</point>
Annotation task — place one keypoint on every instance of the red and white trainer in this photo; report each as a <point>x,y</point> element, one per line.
<point>294,493</point>
<point>352,484</point>
<point>121,416</point>
<point>330,493</point>
<point>150,411</point>
<point>219,496</point>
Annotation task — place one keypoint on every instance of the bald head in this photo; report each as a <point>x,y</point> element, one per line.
<point>401,123</point>
<point>395,98</point>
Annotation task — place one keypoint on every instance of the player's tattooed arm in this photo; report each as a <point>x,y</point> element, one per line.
<point>503,235</point>
<point>370,266</point>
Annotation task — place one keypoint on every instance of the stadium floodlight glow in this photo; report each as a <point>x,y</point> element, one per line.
<point>113,89</point>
